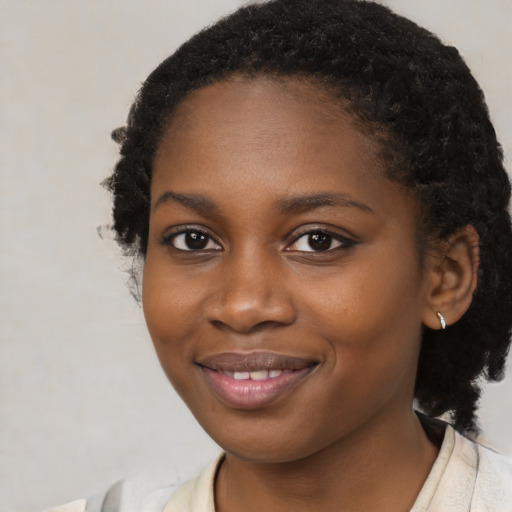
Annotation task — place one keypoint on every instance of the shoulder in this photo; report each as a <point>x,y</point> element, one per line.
<point>467,476</point>
<point>493,486</point>
<point>147,492</point>
<point>197,495</point>
<point>486,473</point>
<point>153,492</point>
<point>74,506</point>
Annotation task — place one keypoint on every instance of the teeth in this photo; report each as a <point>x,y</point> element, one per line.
<point>254,375</point>
<point>259,375</point>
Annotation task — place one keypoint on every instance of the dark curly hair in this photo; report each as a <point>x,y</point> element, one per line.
<point>417,97</point>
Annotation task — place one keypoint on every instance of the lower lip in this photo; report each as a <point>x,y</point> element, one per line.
<point>253,394</point>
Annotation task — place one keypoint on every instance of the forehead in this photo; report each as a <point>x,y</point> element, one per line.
<point>264,119</point>
<point>249,145</point>
<point>302,97</point>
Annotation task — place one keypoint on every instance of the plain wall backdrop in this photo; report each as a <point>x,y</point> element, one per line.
<point>83,401</point>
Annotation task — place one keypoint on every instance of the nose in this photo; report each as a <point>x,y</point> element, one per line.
<point>250,295</point>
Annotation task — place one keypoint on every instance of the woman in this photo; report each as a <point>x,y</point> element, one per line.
<point>318,200</point>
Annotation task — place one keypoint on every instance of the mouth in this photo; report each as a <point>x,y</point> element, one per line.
<point>252,381</point>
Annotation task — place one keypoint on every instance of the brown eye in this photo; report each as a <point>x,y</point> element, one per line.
<point>320,241</point>
<point>317,241</point>
<point>194,241</point>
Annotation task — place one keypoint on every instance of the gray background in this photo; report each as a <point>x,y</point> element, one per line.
<point>83,401</point>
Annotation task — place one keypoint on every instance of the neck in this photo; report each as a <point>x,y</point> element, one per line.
<point>384,463</point>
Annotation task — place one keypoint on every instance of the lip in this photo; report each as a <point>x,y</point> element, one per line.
<point>253,394</point>
<point>239,361</point>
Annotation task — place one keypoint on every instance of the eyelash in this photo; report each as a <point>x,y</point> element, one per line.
<point>169,240</point>
<point>344,242</point>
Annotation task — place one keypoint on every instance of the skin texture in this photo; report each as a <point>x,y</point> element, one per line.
<point>235,165</point>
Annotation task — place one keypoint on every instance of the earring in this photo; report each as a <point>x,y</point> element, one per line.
<point>441,320</point>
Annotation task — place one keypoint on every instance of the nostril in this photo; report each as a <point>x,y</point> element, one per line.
<point>245,302</point>
<point>246,328</point>
<point>251,316</point>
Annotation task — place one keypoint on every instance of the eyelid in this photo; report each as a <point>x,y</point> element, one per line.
<point>346,240</point>
<point>171,234</point>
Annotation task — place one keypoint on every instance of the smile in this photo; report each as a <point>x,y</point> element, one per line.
<point>256,374</point>
<point>252,381</point>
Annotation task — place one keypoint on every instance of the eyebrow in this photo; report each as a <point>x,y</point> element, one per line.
<point>296,204</point>
<point>307,203</point>
<point>193,201</point>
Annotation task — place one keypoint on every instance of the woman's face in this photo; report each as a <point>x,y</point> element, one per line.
<point>282,285</point>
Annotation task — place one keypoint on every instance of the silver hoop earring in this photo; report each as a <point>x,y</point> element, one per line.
<point>441,320</point>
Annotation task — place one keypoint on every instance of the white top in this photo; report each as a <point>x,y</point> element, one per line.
<point>466,477</point>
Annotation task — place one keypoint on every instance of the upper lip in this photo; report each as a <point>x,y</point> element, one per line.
<point>236,361</point>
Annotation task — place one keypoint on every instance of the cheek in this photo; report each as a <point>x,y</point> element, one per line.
<point>371,323</point>
<point>171,310</point>
<point>370,312</point>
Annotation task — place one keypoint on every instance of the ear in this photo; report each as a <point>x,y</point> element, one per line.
<point>452,278</point>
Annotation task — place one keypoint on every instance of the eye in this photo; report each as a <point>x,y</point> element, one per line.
<point>192,240</point>
<point>319,241</point>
